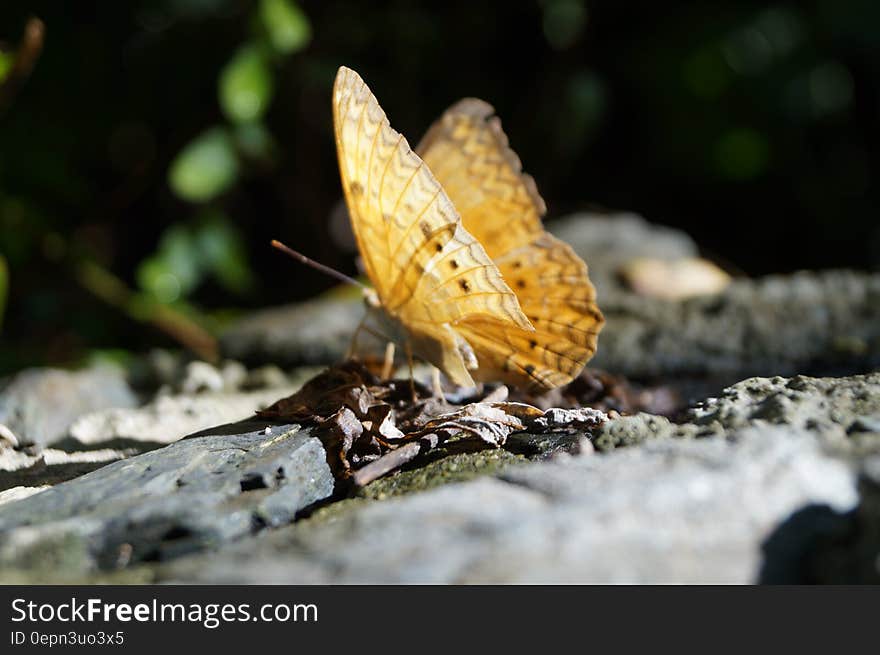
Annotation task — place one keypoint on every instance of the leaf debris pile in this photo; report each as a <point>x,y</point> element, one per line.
<point>609,393</point>
<point>371,427</point>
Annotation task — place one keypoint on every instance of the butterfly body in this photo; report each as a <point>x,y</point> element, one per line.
<point>463,271</point>
<point>431,341</point>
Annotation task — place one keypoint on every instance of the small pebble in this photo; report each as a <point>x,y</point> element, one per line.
<point>200,377</point>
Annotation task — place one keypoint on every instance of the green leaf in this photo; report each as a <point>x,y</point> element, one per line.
<point>205,168</point>
<point>222,252</point>
<point>180,254</point>
<point>246,85</point>
<point>254,140</point>
<point>175,269</point>
<point>156,278</point>
<point>288,26</point>
<point>6,62</point>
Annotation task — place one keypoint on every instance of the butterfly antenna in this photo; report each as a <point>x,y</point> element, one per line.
<point>301,258</point>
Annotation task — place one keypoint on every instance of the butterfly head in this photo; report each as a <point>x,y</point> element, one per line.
<point>371,299</point>
<point>380,322</point>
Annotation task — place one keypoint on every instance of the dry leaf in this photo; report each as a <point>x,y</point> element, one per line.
<point>371,427</point>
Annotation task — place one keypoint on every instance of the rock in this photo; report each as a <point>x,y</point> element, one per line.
<point>669,512</point>
<point>39,405</point>
<point>770,481</point>
<point>314,332</point>
<point>158,368</point>
<point>169,418</point>
<point>202,491</point>
<point>17,493</point>
<point>265,377</point>
<point>607,242</point>
<point>44,467</point>
<point>175,372</point>
<point>638,428</point>
<point>816,323</point>
<point>831,407</point>
<point>199,377</point>
<point>234,375</point>
<point>835,409</point>
<point>825,323</point>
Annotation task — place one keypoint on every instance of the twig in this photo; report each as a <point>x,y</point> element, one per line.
<point>388,462</point>
<point>179,327</point>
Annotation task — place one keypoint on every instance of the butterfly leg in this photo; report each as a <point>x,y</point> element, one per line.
<point>436,387</point>
<point>352,347</point>
<point>388,364</point>
<point>409,360</point>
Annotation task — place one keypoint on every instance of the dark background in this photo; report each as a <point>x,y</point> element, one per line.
<point>753,126</point>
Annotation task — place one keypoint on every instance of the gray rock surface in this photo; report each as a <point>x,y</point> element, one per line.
<point>762,483</point>
<point>314,332</point>
<point>199,492</point>
<point>842,411</point>
<point>779,325</point>
<point>773,480</point>
<point>671,511</point>
<point>38,405</point>
<point>41,467</point>
<point>169,418</point>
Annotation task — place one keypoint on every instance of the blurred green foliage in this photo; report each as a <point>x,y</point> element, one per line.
<point>210,165</point>
<point>6,62</point>
<point>187,254</point>
<point>158,145</point>
<point>246,85</point>
<point>288,27</point>
<point>206,167</point>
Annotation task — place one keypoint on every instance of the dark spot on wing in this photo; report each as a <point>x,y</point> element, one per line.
<point>465,285</point>
<point>438,247</point>
<point>529,369</point>
<point>356,189</point>
<point>533,344</point>
<point>425,228</point>
<point>453,264</point>
<point>517,264</point>
<point>521,283</point>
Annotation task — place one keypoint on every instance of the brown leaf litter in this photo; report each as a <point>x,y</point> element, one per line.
<point>371,427</point>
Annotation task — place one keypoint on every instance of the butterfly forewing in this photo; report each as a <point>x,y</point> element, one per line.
<point>409,233</point>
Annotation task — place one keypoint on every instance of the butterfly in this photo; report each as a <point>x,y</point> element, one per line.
<point>451,238</point>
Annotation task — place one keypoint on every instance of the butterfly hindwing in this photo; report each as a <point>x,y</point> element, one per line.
<point>556,295</point>
<point>470,156</point>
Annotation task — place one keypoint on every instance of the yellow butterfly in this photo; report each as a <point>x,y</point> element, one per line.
<point>445,236</point>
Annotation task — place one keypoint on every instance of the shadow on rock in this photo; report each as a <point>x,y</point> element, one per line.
<point>817,545</point>
<point>792,549</point>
